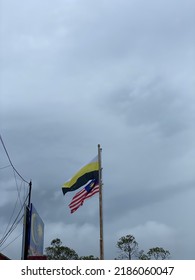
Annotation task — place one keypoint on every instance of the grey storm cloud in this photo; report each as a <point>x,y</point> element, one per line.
<point>120,73</point>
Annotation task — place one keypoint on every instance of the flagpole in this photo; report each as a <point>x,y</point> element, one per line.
<point>100,204</point>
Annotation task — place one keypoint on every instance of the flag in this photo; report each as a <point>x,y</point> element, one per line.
<point>88,172</point>
<point>91,188</point>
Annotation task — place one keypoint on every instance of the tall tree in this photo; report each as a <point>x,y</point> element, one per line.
<point>58,252</point>
<point>128,247</point>
<point>158,253</point>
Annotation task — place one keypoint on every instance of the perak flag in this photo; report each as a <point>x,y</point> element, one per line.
<point>88,172</point>
<point>91,188</point>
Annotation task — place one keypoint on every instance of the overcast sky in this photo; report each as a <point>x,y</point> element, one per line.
<point>119,73</point>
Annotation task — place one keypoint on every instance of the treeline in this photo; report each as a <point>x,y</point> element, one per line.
<point>127,246</point>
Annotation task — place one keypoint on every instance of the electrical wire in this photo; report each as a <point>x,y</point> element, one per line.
<point>11,230</point>
<point>18,218</point>
<point>14,209</point>
<point>11,242</point>
<point>17,187</point>
<point>14,225</point>
<point>11,161</point>
<point>5,167</point>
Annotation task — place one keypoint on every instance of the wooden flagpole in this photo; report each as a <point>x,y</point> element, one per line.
<point>100,204</point>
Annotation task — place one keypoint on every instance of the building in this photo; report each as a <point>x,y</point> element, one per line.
<point>3,257</point>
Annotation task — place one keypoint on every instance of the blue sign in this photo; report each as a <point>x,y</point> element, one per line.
<point>36,234</point>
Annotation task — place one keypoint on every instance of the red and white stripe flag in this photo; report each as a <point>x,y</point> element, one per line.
<point>85,193</point>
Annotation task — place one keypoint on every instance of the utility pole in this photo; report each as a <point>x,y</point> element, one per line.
<point>26,226</point>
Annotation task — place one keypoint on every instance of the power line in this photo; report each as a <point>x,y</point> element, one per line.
<point>11,242</point>
<point>12,215</point>
<point>9,229</point>
<point>14,225</point>
<point>3,167</point>
<point>11,161</point>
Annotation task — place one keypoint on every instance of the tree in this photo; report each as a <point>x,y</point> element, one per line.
<point>143,256</point>
<point>91,257</point>
<point>128,247</point>
<point>58,252</point>
<point>158,253</point>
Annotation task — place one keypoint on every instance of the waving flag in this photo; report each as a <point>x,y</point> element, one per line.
<point>89,190</point>
<point>89,177</point>
<point>82,177</point>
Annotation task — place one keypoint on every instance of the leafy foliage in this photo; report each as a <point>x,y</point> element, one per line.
<point>58,252</point>
<point>158,253</point>
<point>143,256</point>
<point>91,257</point>
<point>128,247</point>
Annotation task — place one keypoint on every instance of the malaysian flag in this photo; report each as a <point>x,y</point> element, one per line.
<point>89,190</point>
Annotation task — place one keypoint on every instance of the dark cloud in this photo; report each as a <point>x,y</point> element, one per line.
<point>154,104</point>
<point>77,74</point>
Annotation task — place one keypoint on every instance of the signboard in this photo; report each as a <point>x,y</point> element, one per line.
<point>36,238</point>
